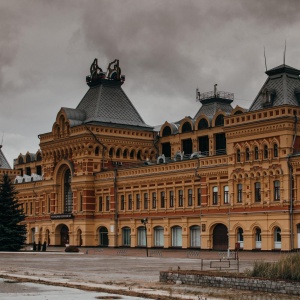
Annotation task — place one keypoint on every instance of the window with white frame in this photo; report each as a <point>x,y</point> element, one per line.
<point>215,195</point>
<point>226,194</point>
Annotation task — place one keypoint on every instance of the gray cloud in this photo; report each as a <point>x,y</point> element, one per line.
<point>166,49</point>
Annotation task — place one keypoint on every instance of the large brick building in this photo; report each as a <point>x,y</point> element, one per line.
<point>226,175</point>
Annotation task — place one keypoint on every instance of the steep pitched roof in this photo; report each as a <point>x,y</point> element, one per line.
<point>3,161</point>
<point>281,87</point>
<point>107,103</point>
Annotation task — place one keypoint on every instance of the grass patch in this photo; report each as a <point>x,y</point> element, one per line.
<point>288,268</point>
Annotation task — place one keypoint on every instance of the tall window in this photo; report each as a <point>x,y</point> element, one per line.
<point>122,202</point>
<point>162,199</point>
<point>80,202</point>
<point>68,196</point>
<point>276,190</point>
<point>180,198</point>
<point>239,188</point>
<point>256,153</point>
<point>154,200</point>
<point>226,194</point>
<point>138,201</point>
<point>100,204</point>
<point>190,197</point>
<point>107,203</point>
<point>238,155</point>
<point>130,202</point>
<point>266,152</point>
<point>198,196</point>
<point>126,238</point>
<point>247,154</point>
<point>275,150</point>
<point>158,236</point>
<point>145,200</point>
<point>48,205</point>
<point>215,195</point>
<point>171,194</point>
<point>257,192</point>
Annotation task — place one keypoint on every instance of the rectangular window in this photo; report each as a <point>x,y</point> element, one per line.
<point>145,200</point>
<point>154,200</point>
<point>257,192</point>
<point>276,190</point>
<point>171,194</point>
<point>162,199</point>
<point>138,201</point>
<point>129,202</point>
<point>180,198</point>
<point>80,202</point>
<point>107,203</point>
<point>199,197</point>
<point>215,195</point>
<point>30,208</point>
<point>226,194</point>
<point>26,208</point>
<point>190,197</point>
<point>48,204</point>
<point>122,202</point>
<point>239,188</point>
<point>100,204</point>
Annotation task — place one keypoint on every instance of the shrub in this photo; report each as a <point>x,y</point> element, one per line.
<point>71,249</point>
<point>288,267</point>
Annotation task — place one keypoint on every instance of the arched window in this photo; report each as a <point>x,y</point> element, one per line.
<point>21,160</point>
<point>247,154</point>
<point>111,152</point>
<point>126,240</point>
<point>219,120</point>
<point>28,158</point>
<point>118,153</point>
<point>132,154</point>
<point>158,236</point>
<point>97,151</point>
<point>238,155</point>
<point>39,157</point>
<point>68,196</point>
<point>203,124</point>
<point>186,127</point>
<point>266,152</point>
<point>166,131</point>
<point>256,153</point>
<point>240,237</point>
<point>275,150</point>
<point>276,190</point>
<point>125,153</point>
<point>258,238</point>
<point>277,238</point>
<point>195,236</point>
<point>257,192</point>
<point>176,236</point>
<point>141,235</point>
<point>139,155</point>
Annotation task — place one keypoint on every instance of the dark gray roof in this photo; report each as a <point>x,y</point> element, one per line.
<point>210,108</point>
<point>282,84</point>
<point>107,103</point>
<point>3,161</point>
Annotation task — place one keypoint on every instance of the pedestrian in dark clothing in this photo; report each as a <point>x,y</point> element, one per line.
<point>34,246</point>
<point>44,246</point>
<point>39,246</point>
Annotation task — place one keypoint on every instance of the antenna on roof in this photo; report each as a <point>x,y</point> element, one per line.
<point>265,59</point>
<point>284,52</point>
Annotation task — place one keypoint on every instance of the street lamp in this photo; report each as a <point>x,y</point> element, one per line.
<point>145,222</point>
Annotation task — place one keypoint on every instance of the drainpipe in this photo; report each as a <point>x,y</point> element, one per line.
<point>116,207</point>
<point>291,208</point>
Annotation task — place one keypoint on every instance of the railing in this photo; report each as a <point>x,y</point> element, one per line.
<point>218,94</point>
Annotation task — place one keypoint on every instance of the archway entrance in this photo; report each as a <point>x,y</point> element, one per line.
<point>220,237</point>
<point>64,235</point>
<point>103,237</point>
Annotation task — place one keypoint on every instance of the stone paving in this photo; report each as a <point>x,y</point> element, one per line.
<point>127,271</point>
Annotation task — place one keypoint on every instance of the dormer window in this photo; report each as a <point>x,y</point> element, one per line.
<point>166,131</point>
<point>186,127</point>
<point>203,124</point>
<point>219,120</point>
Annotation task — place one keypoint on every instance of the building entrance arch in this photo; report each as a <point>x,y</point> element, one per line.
<point>103,236</point>
<point>63,231</point>
<point>220,237</point>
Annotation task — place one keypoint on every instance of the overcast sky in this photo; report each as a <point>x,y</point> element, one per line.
<point>166,48</point>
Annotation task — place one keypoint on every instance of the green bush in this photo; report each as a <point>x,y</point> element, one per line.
<point>288,267</point>
<point>71,249</point>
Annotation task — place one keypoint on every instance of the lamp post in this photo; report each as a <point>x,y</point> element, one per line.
<point>145,222</point>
